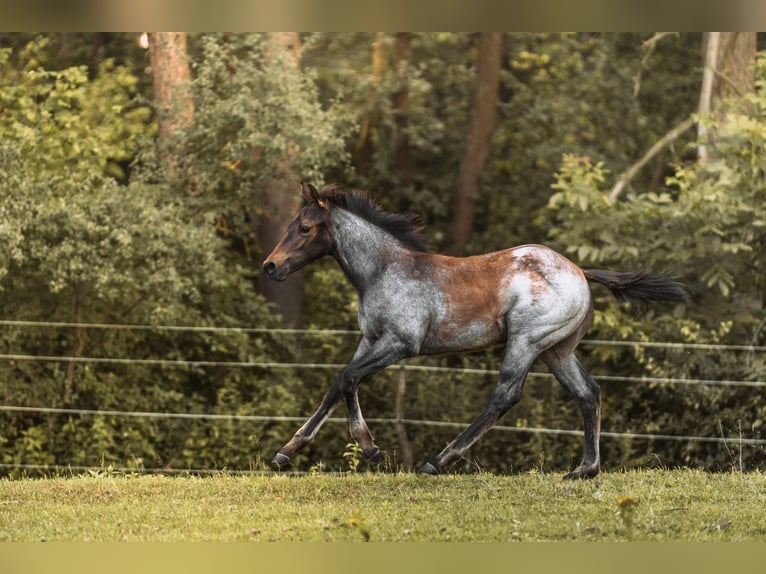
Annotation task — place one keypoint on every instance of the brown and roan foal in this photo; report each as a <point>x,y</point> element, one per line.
<point>413,302</point>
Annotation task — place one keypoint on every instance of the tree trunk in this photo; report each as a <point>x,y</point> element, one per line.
<point>727,72</point>
<point>364,144</point>
<point>173,101</point>
<point>479,139</point>
<point>736,55</point>
<point>401,103</point>
<point>280,202</point>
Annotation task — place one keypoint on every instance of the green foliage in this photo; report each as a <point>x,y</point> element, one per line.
<point>439,83</point>
<point>573,94</point>
<point>78,245</point>
<point>64,119</point>
<point>560,93</point>
<point>91,229</point>
<point>707,227</point>
<point>256,112</point>
<point>353,455</point>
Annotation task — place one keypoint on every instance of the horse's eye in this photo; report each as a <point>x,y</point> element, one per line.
<point>304,229</point>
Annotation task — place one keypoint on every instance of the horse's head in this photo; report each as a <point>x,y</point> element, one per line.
<point>307,238</point>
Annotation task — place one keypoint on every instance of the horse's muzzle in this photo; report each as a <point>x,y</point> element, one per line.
<point>274,272</point>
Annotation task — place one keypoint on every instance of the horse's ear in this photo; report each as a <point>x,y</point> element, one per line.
<point>309,192</point>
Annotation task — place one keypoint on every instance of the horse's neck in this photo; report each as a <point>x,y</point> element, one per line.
<point>362,248</point>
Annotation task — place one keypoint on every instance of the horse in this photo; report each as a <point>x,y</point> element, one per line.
<point>415,302</point>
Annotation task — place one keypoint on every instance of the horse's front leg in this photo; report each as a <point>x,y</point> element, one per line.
<point>369,358</point>
<point>308,431</point>
<point>359,431</point>
<point>304,435</point>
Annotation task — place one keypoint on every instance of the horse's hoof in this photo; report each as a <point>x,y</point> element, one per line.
<point>280,461</point>
<point>429,468</point>
<point>376,457</point>
<point>582,472</point>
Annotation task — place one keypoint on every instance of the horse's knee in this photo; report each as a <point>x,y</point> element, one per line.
<point>509,390</point>
<point>578,381</point>
<point>513,395</point>
<point>348,384</point>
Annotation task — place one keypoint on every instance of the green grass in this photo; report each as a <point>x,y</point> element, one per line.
<point>666,505</point>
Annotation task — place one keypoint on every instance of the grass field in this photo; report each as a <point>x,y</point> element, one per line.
<point>654,505</point>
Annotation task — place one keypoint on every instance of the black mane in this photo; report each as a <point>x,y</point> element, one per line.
<point>402,226</point>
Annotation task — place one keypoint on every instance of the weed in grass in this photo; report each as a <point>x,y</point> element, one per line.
<point>355,521</point>
<point>353,456</point>
<point>735,461</point>
<point>627,511</point>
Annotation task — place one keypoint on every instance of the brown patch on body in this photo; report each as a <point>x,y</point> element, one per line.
<point>531,266</point>
<point>541,264</point>
<point>473,296</point>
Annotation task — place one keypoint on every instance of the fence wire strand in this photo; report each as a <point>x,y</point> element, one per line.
<point>347,332</point>
<point>189,363</point>
<point>406,421</point>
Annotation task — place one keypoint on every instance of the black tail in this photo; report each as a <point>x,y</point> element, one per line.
<point>639,289</point>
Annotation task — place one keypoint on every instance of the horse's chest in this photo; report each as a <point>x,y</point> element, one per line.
<point>396,304</point>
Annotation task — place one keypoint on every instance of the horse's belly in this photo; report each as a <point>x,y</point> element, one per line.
<point>465,336</point>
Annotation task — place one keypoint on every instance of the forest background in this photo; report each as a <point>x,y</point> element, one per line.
<point>143,178</point>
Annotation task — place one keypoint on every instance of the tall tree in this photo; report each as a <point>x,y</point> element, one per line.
<point>401,101</point>
<point>281,201</point>
<point>364,143</point>
<point>173,100</point>
<point>478,142</point>
<point>727,72</point>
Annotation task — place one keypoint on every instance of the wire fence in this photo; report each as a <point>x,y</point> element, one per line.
<point>739,441</point>
<point>350,332</point>
<point>406,421</point>
<point>337,366</point>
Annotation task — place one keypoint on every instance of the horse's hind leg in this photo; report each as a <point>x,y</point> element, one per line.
<point>513,373</point>
<point>572,376</point>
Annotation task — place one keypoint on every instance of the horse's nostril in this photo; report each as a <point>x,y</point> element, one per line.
<point>269,267</point>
